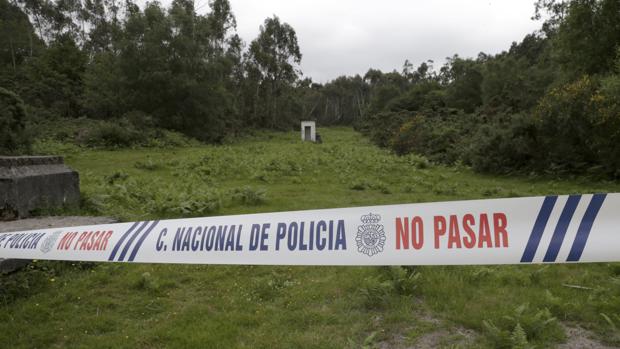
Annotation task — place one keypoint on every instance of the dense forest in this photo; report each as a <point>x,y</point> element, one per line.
<point>549,104</point>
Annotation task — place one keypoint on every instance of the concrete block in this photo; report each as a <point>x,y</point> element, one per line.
<point>29,183</point>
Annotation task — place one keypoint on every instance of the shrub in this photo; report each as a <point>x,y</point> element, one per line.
<point>382,126</point>
<point>154,198</point>
<point>13,136</point>
<point>502,146</point>
<point>410,136</point>
<point>565,119</point>
<point>376,291</point>
<point>524,325</point>
<point>134,129</point>
<point>147,165</point>
<point>112,135</point>
<point>249,196</point>
<point>607,138</point>
<point>439,137</point>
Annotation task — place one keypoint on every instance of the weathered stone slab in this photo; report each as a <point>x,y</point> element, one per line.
<point>29,183</point>
<point>8,266</point>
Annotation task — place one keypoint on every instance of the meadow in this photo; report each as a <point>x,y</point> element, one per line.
<point>61,304</point>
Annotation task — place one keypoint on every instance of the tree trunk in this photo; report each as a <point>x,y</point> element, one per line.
<point>12,54</point>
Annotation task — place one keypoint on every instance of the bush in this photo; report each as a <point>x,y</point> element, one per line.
<point>13,136</point>
<point>607,140</point>
<point>524,325</point>
<point>573,129</point>
<point>578,127</point>
<point>502,146</point>
<point>438,137</point>
<point>134,129</point>
<point>565,119</point>
<point>382,126</point>
<point>113,135</point>
<point>392,281</point>
<point>249,196</point>
<point>154,198</point>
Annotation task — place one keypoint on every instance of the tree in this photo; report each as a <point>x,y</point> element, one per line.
<point>585,33</point>
<point>17,38</point>
<point>273,59</point>
<point>465,80</point>
<point>53,82</point>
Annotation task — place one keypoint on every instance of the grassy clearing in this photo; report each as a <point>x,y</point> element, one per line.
<point>152,306</point>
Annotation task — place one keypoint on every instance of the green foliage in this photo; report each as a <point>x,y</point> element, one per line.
<point>514,331</point>
<point>548,105</point>
<point>52,82</point>
<point>141,304</point>
<point>13,136</point>
<point>565,122</point>
<point>95,60</point>
<point>159,199</point>
<point>365,184</point>
<point>502,146</point>
<point>272,65</point>
<point>377,291</point>
<point>518,338</point>
<point>18,41</point>
<point>249,196</point>
<point>579,52</point>
<point>515,81</point>
<point>112,135</point>
<point>382,126</point>
<point>577,125</point>
<point>465,80</point>
<point>146,282</point>
<point>35,278</point>
<point>436,138</point>
<point>147,165</point>
<point>136,130</point>
<point>104,97</point>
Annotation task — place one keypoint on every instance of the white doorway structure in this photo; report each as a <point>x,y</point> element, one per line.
<point>308,131</point>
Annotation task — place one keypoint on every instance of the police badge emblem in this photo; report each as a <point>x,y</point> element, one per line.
<point>370,235</point>
<point>49,242</point>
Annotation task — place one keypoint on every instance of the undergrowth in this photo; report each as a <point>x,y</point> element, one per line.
<point>261,306</point>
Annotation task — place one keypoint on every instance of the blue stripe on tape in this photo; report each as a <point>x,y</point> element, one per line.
<point>584,228</point>
<point>140,241</point>
<point>538,229</point>
<point>560,229</point>
<point>130,241</point>
<point>120,242</point>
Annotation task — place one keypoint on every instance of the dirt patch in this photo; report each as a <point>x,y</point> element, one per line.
<point>435,333</point>
<point>579,338</point>
<point>52,222</point>
<point>452,337</point>
<point>431,332</point>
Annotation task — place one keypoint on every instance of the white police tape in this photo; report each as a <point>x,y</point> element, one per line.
<point>552,229</point>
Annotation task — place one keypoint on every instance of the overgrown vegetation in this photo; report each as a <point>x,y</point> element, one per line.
<point>143,68</point>
<point>550,104</point>
<point>129,305</point>
<point>13,137</point>
<point>123,92</point>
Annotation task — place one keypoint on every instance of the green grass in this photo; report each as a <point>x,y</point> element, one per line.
<point>180,306</point>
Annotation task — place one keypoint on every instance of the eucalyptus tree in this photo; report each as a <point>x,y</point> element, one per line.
<point>273,60</point>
